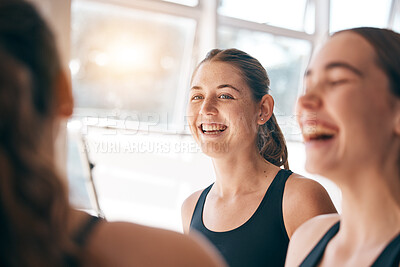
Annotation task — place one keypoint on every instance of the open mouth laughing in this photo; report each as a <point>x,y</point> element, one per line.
<point>212,128</point>
<point>318,132</point>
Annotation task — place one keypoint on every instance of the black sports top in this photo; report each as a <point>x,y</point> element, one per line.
<point>80,239</point>
<point>260,241</point>
<point>390,256</point>
<point>84,232</point>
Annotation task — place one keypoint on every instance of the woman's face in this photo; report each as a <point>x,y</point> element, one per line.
<point>347,112</point>
<point>221,112</point>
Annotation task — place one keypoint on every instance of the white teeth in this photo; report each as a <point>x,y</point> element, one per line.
<point>213,127</point>
<point>310,129</point>
<point>313,132</point>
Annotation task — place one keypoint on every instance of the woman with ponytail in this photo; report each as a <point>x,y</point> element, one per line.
<point>248,213</point>
<point>38,227</point>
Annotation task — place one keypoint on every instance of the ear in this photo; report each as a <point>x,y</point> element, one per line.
<point>65,100</point>
<point>266,109</point>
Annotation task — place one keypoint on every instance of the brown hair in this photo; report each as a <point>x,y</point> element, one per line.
<point>270,140</point>
<point>386,44</point>
<point>33,200</point>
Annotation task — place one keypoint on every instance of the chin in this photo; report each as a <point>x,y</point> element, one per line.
<point>214,150</point>
<point>311,168</point>
<point>328,170</point>
<point>314,166</point>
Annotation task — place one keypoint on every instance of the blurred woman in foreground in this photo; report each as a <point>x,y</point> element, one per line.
<point>37,225</point>
<point>350,119</point>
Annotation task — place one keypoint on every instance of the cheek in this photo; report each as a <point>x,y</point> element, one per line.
<point>191,122</point>
<point>190,113</point>
<point>246,122</point>
<point>363,117</point>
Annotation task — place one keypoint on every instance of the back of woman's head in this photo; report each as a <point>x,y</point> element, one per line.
<point>33,201</point>
<point>386,44</point>
<point>27,38</point>
<point>270,140</point>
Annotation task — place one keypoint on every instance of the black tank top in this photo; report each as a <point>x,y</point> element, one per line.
<point>84,232</point>
<point>260,241</point>
<point>80,238</point>
<point>390,256</point>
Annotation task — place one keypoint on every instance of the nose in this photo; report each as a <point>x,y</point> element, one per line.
<point>310,101</point>
<point>208,107</point>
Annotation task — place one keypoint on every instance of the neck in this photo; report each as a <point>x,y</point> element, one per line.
<point>370,205</point>
<point>242,172</point>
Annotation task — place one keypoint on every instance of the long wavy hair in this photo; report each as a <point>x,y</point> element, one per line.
<point>270,140</point>
<point>33,199</point>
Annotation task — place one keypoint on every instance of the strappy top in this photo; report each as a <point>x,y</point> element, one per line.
<point>84,232</point>
<point>260,241</point>
<point>80,239</point>
<point>390,256</point>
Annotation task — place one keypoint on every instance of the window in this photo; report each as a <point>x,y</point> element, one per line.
<point>184,2</point>
<point>396,25</point>
<point>291,14</point>
<point>283,58</point>
<point>395,22</point>
<point>129,63</point>
<point>349,14</point>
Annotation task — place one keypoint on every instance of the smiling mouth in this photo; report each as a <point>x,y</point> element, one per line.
<point>212,128</point>
<point>318,133</point>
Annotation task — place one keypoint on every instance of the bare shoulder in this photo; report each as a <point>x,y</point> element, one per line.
<point>187,209</point>
<point>307,236</point>
<point>127,244</point>
<point>298,183</point>
<point>304,199</point>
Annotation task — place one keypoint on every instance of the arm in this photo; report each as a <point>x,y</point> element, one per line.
<point>304,199</point>
<point>187,210</point>
<point>126,244</point>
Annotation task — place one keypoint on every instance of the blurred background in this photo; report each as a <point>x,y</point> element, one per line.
<point>130,153</point>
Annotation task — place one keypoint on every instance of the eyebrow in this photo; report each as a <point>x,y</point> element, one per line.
<point>218,87</point>
<point>229,86</point>
<point>333,65</point>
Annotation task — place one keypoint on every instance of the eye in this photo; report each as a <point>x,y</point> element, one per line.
<point>225,96</point>
<point>196,97</point>
<point>338,82</point>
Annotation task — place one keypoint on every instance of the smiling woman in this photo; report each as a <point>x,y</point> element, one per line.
<point>248,213</point>
<point>350,118</point>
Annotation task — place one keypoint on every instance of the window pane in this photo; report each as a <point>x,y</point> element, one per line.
<point>184,2</point>
<point>284,59</point>
<point>124,60</point>
<point>396,23</point>
<point>291,14</point>
<point>348,14</point>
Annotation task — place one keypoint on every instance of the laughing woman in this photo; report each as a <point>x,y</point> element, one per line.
<point>248,213</point>
<point>353,97</point>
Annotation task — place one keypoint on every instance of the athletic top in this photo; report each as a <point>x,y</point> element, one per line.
<point>260,241</point>
<point>84,232</point>
<point>390,256</point>
<point>80,238</point>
